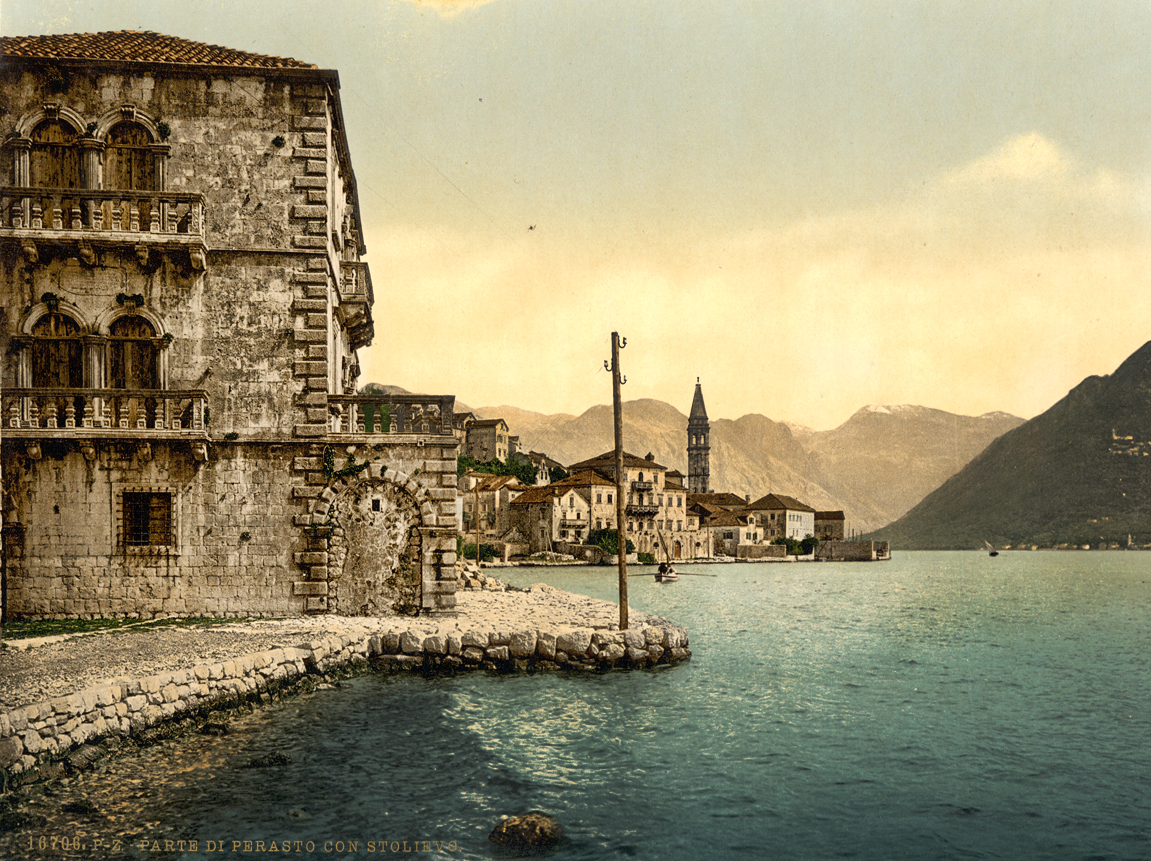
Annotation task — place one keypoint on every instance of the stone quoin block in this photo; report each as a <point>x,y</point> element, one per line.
<point>308,123</point>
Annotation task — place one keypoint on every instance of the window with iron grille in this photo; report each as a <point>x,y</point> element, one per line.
<point>147,519</point>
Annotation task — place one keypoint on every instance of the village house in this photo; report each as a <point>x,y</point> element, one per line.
<point>488,440</point>
<point>489,497</point>
<point>729,530</point>
<point>829,525</point>
<point>183,291</point>
<point>780,516</point>
<point>460,424</point>
<point>599,491</point>
<point>545,515</point>
<point>546,467</point>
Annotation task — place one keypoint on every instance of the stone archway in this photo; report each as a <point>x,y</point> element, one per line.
<point>375,551</point>
<point>373,546</point>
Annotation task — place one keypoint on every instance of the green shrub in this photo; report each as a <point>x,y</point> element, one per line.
<point>607,541</point>
<point>487,552</point>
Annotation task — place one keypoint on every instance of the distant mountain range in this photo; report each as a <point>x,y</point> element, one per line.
<point>1080,473</point>
<point>874,467</point>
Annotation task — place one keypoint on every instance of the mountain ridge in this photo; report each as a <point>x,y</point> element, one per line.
<point>875,466</point>
<point>1076,474</point>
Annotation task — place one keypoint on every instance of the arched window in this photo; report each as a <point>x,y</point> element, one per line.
<point>54,159</point>
<point>57,353</point>
<point>133,357</point>
<point>129,164</point>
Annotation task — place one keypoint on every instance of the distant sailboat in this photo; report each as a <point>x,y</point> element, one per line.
<point>991,551</point>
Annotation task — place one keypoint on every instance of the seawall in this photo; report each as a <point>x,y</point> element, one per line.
<point>45,739</point>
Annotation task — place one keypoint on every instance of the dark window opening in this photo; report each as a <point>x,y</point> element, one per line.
<point>128,160</point>
<point>57,353</point>
<point>135,358</point>
<point>147,519</point>
<point>55,161</point>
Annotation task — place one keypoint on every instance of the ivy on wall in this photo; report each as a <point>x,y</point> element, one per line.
<point>351,469</point>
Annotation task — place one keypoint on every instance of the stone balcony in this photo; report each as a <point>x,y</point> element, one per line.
<point>158,413</point>
<point>642,486</point>
<point>101,217</point>
<point>391,414</point>
<point>637,510</point>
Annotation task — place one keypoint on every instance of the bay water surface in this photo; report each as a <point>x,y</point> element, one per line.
<point>936,706</point>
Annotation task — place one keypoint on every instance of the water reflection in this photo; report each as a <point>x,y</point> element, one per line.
<point>937,706</point>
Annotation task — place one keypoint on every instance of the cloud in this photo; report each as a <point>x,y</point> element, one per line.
<point>449,8</point>
<point>1022,158</point>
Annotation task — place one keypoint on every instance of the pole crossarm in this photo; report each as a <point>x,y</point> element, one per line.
<point>621,540</point>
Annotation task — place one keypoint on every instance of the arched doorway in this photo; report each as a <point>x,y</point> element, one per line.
<point>375,551</point>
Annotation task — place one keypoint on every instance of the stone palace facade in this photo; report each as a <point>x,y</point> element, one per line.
<point>182,294</point>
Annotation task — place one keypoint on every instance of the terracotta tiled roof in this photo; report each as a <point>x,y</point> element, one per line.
<point>585,478</point>
<point>777,501</point>
<point>727,518</point>
<point>607,461</point>
<point>544,493</point>
<point>138,46</point>
<point>829,515</point>
<point>720,500</point>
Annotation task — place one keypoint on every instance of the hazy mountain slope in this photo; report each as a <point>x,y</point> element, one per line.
<point>751,456</point>
<point>523,423</point>
<point>887,458</point>
<point>1078,473</point>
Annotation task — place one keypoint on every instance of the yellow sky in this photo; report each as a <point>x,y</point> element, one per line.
<point>811,206</point>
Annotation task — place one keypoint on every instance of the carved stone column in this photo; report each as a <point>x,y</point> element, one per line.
<point>91,152</point>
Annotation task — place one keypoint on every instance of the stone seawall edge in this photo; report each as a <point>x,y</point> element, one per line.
<point>38,734</point>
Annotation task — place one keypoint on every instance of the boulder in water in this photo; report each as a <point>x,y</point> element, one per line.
<point>531,832</point>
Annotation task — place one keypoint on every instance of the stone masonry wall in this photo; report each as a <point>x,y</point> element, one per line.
<point>252,532</point>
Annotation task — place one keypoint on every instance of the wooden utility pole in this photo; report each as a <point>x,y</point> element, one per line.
<point>620,519</point>
<point>476,514</point>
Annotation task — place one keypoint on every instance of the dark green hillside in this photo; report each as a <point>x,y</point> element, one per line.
<point>1080,473</point>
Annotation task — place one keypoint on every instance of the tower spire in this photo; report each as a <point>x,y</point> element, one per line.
<point>698,444</point>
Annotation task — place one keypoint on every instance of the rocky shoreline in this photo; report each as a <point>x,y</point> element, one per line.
<point>62,696</point>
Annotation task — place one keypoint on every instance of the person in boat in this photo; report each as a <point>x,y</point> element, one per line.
<point>662,568</point>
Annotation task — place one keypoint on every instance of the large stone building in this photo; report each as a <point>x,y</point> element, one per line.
<point>488,440</point>
<point>183,291</point>
<point>655,510</point>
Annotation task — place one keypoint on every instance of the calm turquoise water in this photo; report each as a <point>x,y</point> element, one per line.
<point>937,706</point>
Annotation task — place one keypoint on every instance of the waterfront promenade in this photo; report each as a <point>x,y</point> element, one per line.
<point>61,693</point>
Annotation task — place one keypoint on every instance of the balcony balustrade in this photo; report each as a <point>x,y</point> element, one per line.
<point>642,486</point>
<point>392,414</point>
<point>115,215</point>
<point>572,522</point>
<point>119,411</point>
<point>637,510</point>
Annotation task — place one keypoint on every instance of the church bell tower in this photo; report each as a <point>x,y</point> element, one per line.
<point>698,447</point>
